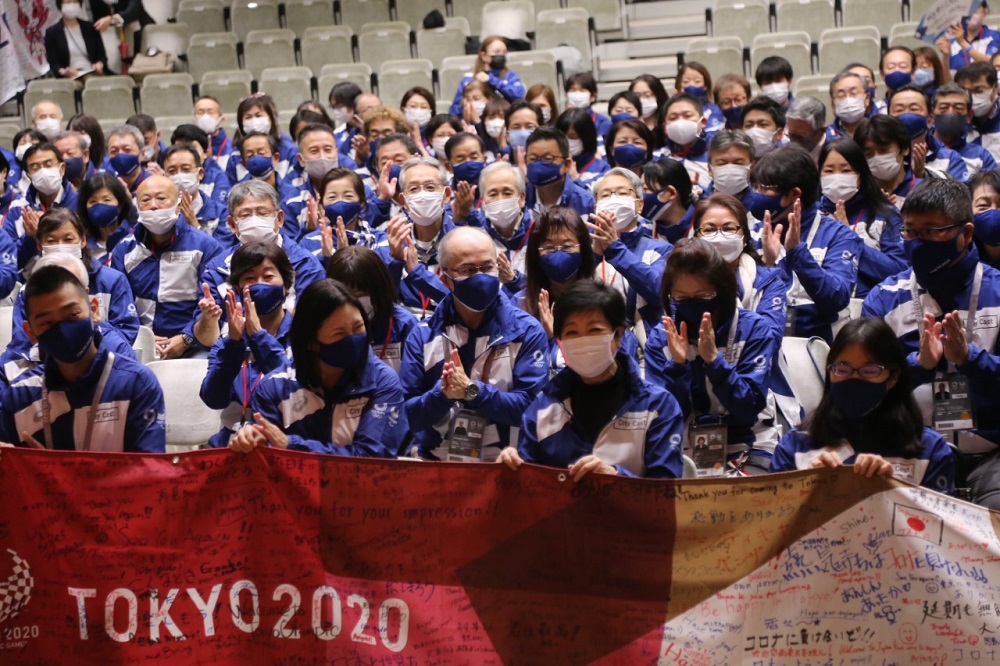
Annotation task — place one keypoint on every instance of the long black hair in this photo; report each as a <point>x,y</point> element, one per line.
<point>871,192</point>
<point>557,217</point>
<point>317,302</point>
<point>105,181</point>
<point>361,269</point>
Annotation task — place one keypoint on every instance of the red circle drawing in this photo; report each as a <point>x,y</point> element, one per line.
<point>915,524</point>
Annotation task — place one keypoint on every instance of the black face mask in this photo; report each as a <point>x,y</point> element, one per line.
<point>498,62</point>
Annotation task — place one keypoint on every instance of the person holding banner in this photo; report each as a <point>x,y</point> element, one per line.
<point>969,40</point>
<point>598,415</point>
<point>868,417</point>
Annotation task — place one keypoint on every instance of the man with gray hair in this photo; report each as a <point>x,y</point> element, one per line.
<point>470,374</point>
<point>47,118</point>
<point>424,193</point>
<point>507,220</point>
<point>805,124</point>
<point>76,156</point>
<point>124,145</point>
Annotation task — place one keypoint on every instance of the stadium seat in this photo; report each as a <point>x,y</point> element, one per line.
<point>607,14</point>
<point>901,34</point>
<point>300,15</point>
<point>380,42</point>
<point>168,37</point>
<point>472,10</point>
<point>817,86</point>
<point>535,67</point>
<point>249,15</point>
<point>558,27</point>
<point>397,76</point>
<point>414,12</point>
<point>288,86</point>
<point>443,105</point>
<point>202,15</point>
<point>451,72</point>
<point>513,19</point>
<point>190,423</point>
<point>803,363</point>
<point>145,344</point>
<point>227,86</point>
<point>6,325</point>
<point>793,46</point>
<point>7,132</point>
<point>741,18</point>
<point>855,308</point>
<point>268,48</point>
<point>109,96</point>
<point>811,16</point>
<point>167,124</point>
<point>323,45</point>
<point>212,51</point>
<point>167,94</point>
<point>917,8</point>
<point>439,43</point>
<point>358,72</point>
<point>718,54</point>
<point>161,11</point>
<point>60,91</point>
<point>883,14</point>
<point>839,47</point>
<point>355,13</point>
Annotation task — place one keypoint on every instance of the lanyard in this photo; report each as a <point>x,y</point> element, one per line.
<point>388,336</point>
<point>526,235</point>
<point>918,308</point>
<point>248,394</point>
<point>813,230</point>
<point>98,392</point>
<point>730,352</point>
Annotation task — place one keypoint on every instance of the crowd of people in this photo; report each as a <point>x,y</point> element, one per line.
<point>603,289</point>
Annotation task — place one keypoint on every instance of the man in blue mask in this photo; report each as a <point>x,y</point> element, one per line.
<point>478,363</point>
<point>910,105</point>
<point>124,146</point>
<point>952,108</point>
<point>547,161</point>
<point>76,156</point>
<point>89,398</point>
<point>945,311</point>
<point>897,67</point>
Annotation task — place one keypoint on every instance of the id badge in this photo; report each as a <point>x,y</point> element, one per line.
<point>790,321</point>
<point>707,442</point>
<point>952,402</point>
<point>465,437</point>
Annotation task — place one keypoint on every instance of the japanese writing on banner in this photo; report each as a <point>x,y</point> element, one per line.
<point>942,15</point>
<point>279,557</point>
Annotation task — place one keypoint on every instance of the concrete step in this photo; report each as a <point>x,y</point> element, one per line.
<point>667,26</point>
<point>627,69</point>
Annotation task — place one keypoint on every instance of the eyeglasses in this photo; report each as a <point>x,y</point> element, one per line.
<point>414,188</point>
<point>623,192</point>
<point>696,297</point>
<point>465,271</point>
<point>713,233</point>
<point>909,233</point>
<point>247,213</point>
<point>548,248</point>
<point>842,370</point>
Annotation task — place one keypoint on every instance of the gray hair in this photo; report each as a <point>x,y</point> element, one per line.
<point>45,101</point>
<point>73,264</point>
<point>726,139</point>
<point>128,130</point>
<point>444,245</point>
<point>69,134</point>
<point>846,74</point>
<point>501,166</point>
<point>417,161</point>
<point>951,88</point>
<point>808,109</point>
<point>633,179</point>
<point>251,189</point>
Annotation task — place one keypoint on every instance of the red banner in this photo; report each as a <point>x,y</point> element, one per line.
<point>287,558</point>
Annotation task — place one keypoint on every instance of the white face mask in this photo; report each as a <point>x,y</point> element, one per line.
<point>884,167</point>
<point>258,124</point>
<point>503,214</point>
<point>148,152</point>
<point>48,126</point>
<point>649,106</point>
<point>729,245</point>
<point>47,181</point>
<point>425,208</point>
<point>578,99</point>
<point>186,182</point>
<point>763,140</point>
<point>257,229</point>
<point>730,178</point>
<point>70,249</point>
<point>477,109</point>
<point>776,91</point>
<point>840,186</point>
<point>21,150</point>
<point>982,104</point>
<point>546,114</point>
<point>575,147</point>
<point>437,144</point>
<point>320,166</point>
<point>683,131</point>
<point>623,208</point>
<point>207,124</point>
<point>494,126</point>
<point>340,115</point>
<point>419,116</point>
<point>590,355</point>
<point>366,305</point>
<point>71,10</point>
<point>850,109</point>
<point>158,221</point>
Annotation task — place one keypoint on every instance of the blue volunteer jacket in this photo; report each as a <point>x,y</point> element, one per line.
<point>388,337</point>
<point>987,41</point>
<point>934,468</point>
<point>223,385</point>
<point>589,167</point>
<point>166,283</point>
<point>642,439</point>
<point>946,160</point>
<point>101,252</point>
<point>767,292</point>
<point>976,157</point>
<point>362,234</point>
<point>514,248</point>
<point>131,408</point>
<point>287,151</point>
<point>736,387</point>
<point>510,339</point>
<point>9,273</point>
<point>574,196</point>
<point>364,417</point>
<point>422,290</point>
<point>694,158</point>
<point>510,86</point>
<point>636,268</point>
<point>14,223</point>
<point>215,185</point>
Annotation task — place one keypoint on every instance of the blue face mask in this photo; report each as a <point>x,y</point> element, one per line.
<point>74,168</point>
<point>697,92</point>
<point>102,215</point>
<point>622,117</point>
<point>518,138</point>
<point>895,80</point>
<point>542,173</point>
<point>931,257</point>
<point>467,172</point>
<point>734,116</point>
<point>560,266</point>
<point>988,226</point>
<point>857,397</point>
<point>762,203</point>
<point>629,155</point>
<point>394,172</point>
<point>124,164</point>
<point>923,77</point>
<point>68,341</point>
<point>950,125</point>
<point>346,210</point>
<point>348,353</point>
<point>260,166</point>
<point>478,292</point>
<point>915,123</point>
<point>691,311</point>
<point>267,298</point>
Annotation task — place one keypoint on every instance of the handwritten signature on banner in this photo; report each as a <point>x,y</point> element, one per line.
<point>280,557</point>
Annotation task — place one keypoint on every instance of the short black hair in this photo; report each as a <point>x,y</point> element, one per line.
<point>344,94</point>
<point>990,179</point>
<point>4,164</point>
<point>669,172</point>
<point>883,130</point>
<point>697,256</point>
<point>443,119</point>
<point>182,148</point>
<point>456,139</point>
<point>629,97</point>
<point>313,127</point>
<point>39,147</point>
<point>772,68</point>
<point>252,255</point>
<point>637,126</point>
<point>48,280</point>
<point>768,106</point>
<point>523,104</point>
<point>579,121</point>
<point>940,195</point>
<point>910,87</point>
<point>190,133</point>
<point>143,121</point>
<point>589,296</point>
<point>676,98</point>
<point>787,168</point>
<point>585,80</point>
<point>904,49</point>
<point>548,134</point>
<point>316,303</point>
<point>104,181</point>
<point>974,71</point>
<point>271,141</point>
<point>399,137</point>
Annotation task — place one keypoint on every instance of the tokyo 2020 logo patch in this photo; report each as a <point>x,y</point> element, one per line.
<point>15,591</point>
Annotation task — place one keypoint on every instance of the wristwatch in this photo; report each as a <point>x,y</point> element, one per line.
<point>471,391</point>
<point>189,342</point>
